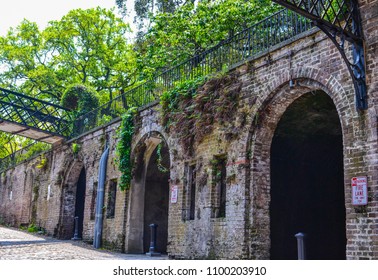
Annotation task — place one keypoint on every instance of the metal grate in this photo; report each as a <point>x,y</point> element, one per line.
<point>34,113</point>
<point>341,15</point>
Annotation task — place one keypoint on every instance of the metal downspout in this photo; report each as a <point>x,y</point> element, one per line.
<point>100,198</point>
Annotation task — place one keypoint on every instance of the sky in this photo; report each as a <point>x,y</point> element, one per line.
<point>12,12</point>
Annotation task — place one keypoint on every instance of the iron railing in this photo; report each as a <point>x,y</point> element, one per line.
<point>23,154</point>
<point>258,38</point>
<point>34,113</point>
<point>342,15</point>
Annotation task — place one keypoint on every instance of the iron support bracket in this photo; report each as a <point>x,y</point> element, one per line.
<point>340,20</point>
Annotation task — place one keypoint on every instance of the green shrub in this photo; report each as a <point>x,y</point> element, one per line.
<point>33,228</point>
<point>80,98</point>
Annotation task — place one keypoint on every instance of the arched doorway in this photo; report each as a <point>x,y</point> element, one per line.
<point>307,180</point>
<point>156,198</point>
<point>80,201</point>
<point>70,187</point>
<point>149,195</point>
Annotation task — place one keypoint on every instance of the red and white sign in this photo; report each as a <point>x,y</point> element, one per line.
<point>359,191</point>
<point>174,194</point>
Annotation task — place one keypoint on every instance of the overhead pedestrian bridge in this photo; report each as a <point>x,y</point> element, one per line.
<point>33,118</point>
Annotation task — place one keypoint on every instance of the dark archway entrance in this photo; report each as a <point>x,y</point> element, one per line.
<point>80,201</point>
<point>156,198</point>
<point>307,180</point>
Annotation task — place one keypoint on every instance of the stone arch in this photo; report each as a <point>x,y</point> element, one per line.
<point>144,157</point>
<point>68,199</point>
<point>269,112</point>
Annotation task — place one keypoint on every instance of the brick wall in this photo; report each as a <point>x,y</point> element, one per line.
<point>313,63</point>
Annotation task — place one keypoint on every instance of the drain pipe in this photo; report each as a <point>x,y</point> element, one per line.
<point>100,197</point>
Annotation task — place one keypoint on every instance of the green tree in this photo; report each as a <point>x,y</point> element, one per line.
<point>25,63</point>
<point>193,28</point>
<point>90,46</point>
<point>85,46</point>
<point>10,143</point>
<point>145,8</point>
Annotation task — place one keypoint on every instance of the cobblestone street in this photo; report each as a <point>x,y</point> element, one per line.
<point>19,245</point>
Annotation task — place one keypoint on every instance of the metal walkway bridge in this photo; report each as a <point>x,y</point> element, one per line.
<point>33,118</point>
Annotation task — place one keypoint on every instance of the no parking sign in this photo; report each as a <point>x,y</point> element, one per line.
<point>359,191</point>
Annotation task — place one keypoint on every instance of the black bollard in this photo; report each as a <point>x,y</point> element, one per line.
<point>152,252</point>
<point>301,246</point>
<point>76,234</point>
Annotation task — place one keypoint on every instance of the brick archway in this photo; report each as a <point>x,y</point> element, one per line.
<point>68,199</point>
<point>149,195</point>
<point>274,105</point>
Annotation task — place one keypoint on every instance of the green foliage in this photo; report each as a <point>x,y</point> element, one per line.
<point>159,159</point>
<point>25,148</point>
<point>80,98</point>
<point>170,100</point>
<point>335,12</point>
<point>104,119</point>
<point>191,109</point>
<point>85,46</point>
<point>193,28</point>
<point>75,148</point>
<point>33,150</point>
<point>123,148</point>
<point>33,228</point>
<point>42,162</point>
<point>145,8</point>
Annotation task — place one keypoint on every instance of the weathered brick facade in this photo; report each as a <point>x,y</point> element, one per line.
<point>312,63</point>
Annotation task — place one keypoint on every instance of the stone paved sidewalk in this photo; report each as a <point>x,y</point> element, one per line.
<point>19,245</point>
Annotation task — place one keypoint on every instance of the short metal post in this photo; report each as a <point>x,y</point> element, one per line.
<point>152,252</point>
<point>301,246</point>
<point>76,234</point>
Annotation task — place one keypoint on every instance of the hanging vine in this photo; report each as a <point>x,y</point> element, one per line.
<point>191,108</point>
<point>123,148</point>
<point>159,160</point>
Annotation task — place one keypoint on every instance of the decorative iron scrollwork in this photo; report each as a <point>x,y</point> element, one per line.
<point>340,21</point>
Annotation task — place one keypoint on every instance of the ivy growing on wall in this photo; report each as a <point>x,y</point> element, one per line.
<point>123,148</point>
<point>191,109</point>
<point>159,160</point>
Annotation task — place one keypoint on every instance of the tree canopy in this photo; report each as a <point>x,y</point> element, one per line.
<point>85,46</point>
<point>193,28</point>
<point>145,8</point>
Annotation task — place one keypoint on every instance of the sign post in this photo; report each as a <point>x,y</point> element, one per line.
<point>359,191</point>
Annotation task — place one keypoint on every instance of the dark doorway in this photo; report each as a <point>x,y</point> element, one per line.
<point>80,201</point>
<point>307,180</point>
<point>156,198</point>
